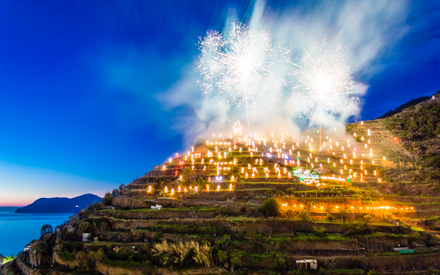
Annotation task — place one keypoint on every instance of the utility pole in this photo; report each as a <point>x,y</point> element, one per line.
<point>320,134</point>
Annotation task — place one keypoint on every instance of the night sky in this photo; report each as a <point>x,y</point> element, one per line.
<point>82,82</point>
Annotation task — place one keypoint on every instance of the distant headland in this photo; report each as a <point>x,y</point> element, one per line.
<point>60,205</point>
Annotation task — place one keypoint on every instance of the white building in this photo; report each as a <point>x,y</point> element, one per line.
<point>307,264</point>
<point>86,237</point>
<point>156,207</point>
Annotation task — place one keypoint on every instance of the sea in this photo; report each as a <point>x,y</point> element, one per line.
<point>19,229</point>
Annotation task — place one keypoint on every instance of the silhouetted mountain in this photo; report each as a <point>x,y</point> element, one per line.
<point>403,106</point>
<point>60,205</point>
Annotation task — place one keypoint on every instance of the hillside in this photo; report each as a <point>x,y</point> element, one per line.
<point>60,205</point>
<point>276,203</point>
<point>404,106</point>
<point>408,104</point>
<point>411,140</point>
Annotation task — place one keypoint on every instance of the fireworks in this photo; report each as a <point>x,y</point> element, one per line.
<point>235,66</point>
<point>325,81</point>
<point>243,68</point>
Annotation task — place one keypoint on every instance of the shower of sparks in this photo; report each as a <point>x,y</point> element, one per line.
<point>236,65</point>
<point>324,79</point>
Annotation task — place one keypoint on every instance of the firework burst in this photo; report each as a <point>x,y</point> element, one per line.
<point>325,80</point>
<point>235,66</point>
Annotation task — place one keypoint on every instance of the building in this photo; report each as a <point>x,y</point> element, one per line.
<point>86,237</point>
<point>307,264</point>
<point>156,207</point>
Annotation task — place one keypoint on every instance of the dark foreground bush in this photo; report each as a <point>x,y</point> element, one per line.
<point>270,208</point>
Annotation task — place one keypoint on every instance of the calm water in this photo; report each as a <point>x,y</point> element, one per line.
<point>17,230</point>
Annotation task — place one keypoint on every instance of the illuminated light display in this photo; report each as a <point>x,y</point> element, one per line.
<point>332,178</point>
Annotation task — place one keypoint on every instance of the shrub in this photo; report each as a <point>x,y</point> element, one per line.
<point>281,262</point>
<point>344,215</point>
<point>270,208</point>
<point>66,256</point>
<point>290,213</point>
<point>329,217</point>
<point>235,261</point>
<point>183,253</point>
<point>158,235</point>
<point>318,231</point>
<point>8,259</point>
<point>222,256</point>
<point>304,215</point>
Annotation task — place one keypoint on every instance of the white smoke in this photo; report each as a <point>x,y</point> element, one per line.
<point>366,30</point>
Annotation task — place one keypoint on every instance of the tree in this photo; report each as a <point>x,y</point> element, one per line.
<point>107,200</point>
<point>47,228</point>
<point>270,207</point>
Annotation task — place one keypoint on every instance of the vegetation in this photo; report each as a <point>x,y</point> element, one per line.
<point>47,228</point>
<point>107,200</point>
<point>270,207</point>
<point>8,259</point>
<point>183,254</point>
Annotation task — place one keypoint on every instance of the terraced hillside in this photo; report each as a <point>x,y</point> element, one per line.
<point>345,201</point>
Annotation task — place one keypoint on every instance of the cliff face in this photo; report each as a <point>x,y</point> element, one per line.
<point>60,205</point>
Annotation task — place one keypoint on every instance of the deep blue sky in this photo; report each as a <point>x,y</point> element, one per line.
<point>79,83</point>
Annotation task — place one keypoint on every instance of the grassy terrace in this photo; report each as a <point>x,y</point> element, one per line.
<point>192,208</point>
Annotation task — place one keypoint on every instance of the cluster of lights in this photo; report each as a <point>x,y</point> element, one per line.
<point>332,178</point>
<point>281,150</point>
<point>196,189</point>
<point>365,208</point>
